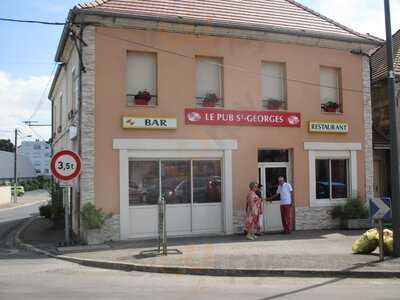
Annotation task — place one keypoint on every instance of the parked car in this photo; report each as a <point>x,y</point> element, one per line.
<point>20,190</point>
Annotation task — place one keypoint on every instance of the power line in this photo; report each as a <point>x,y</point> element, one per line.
<point>32,21</point>
<point>38,106</point>
<point>238,68</point>
<point>26,63</point>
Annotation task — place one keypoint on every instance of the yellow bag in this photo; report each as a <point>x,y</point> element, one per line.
<point>388,242</point>
<point>366,243</point>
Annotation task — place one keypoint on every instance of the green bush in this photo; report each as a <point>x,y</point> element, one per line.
<point>92,217</point>
<point>55,208</point>
<point>352,209</point>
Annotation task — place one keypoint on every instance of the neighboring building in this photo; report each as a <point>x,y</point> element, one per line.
<point>25,170</point>
<point>291,96</point>
<point>39,152</point>
<point>380,114</point>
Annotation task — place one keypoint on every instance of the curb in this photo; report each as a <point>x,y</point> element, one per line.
<point>24,205</point>
<point>237,272</point>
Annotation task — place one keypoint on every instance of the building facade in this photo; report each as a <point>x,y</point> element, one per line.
<point>380,114</point>
<point>192,101</point>
<point>25,169</point>
<point>39,153</point>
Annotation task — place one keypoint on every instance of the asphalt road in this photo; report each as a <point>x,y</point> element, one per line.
<point>35,277</point>
<point>28,205</point>
<point>25,275</point>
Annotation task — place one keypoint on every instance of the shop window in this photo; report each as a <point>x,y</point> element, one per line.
<point>209,81</point>
<point>331,178</point>
<point>175,181</point>
<point>141,78</point>
<point>273,86</point>
<point>144,182</point>
<point>206,181</point>
<point>330,90</point>
<point>280,155</point>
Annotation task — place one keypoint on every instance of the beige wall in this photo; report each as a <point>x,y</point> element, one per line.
<point>242,90</point>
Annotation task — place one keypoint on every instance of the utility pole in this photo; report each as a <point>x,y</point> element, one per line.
<point>15,165</point>
<point>394,139</point>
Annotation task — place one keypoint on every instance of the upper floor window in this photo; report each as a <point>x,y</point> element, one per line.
<point>330,92</point>
<point>75,89</point>
<point>273,86</point>
<point>209,81</point>
<point>142,78</point>
<point>60,113</point>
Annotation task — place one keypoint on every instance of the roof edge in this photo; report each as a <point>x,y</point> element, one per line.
<point>272,29</point>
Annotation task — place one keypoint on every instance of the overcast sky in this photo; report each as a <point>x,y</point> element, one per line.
<point>27,51</point>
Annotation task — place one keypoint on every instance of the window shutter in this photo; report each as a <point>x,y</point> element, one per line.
<point>141,73</point>
<point>208,76</point>
<point>329,80</point>
<point>272,84</point>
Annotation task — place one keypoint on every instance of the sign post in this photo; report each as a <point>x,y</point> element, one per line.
<point>65,165</point>
<point>380,211</point>
<point>162,232</point>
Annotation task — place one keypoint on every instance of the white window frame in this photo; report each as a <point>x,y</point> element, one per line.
<point>167,148</point>
<point>332,151</point>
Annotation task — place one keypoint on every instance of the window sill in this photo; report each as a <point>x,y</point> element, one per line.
<point>138,105</point>
<point>332,113</point>
<point>327,202</point>
<point>271,109</point>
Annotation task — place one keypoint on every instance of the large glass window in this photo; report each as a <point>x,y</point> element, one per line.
<point>206,181</point>
<point>141,78</point>
<point>144,182</point>
<point>331,178</point>
<point>273,86</point>
<point>175,181</point>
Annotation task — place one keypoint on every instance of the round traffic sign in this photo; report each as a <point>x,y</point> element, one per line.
<point>65,165</point>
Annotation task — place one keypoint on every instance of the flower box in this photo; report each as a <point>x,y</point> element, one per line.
<point>142,98</point>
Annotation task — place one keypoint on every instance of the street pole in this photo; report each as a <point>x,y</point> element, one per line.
<point>394,146</point>
<point>15,165</point>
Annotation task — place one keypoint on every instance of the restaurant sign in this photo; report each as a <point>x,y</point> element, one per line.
<point>149,123</point>
<point>214,116</point>
<point>328,127</point>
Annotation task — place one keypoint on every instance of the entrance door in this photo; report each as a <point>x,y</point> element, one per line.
<point>268,176</point>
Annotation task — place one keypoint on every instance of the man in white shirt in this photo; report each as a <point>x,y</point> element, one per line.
<point>285,191</point>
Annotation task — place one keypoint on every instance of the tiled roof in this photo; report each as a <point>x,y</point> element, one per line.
<point>262,14</point>
<point>378,60</point>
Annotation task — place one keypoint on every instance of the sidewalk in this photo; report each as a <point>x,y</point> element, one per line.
<point>29,198</point>
<point>302,253</point>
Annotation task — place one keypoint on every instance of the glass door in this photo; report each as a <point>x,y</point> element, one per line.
<point>268,177</point>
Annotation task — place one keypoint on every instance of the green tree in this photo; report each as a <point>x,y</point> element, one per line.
<point>6,145</point>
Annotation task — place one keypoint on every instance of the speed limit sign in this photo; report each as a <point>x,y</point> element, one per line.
<point>65,165</point>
